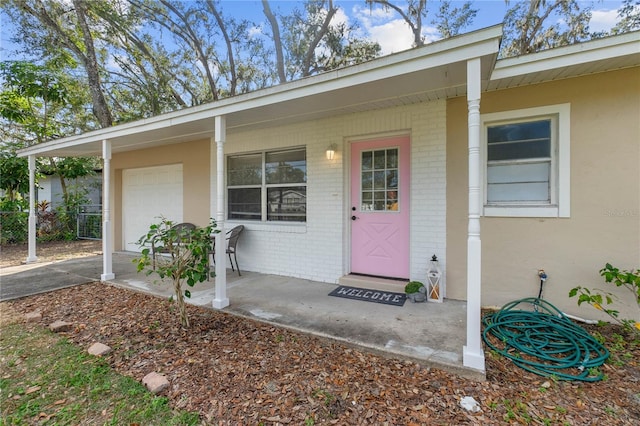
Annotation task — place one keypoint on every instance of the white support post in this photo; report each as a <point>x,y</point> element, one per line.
<point>33,219</point>
<point>473,354</point>
<point>107,242</point>
<point>221,300</point>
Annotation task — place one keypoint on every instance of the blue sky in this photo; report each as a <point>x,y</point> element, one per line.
<point>385,27</point>
<point>388,29</point>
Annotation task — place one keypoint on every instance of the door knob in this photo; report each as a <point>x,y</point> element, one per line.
<point>353,218</point>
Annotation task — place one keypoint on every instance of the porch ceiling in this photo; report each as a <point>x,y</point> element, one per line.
<point>436,71</point>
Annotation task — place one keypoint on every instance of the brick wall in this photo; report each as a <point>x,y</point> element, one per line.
<point>319,249</point>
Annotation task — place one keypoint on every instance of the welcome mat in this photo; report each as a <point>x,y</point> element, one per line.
<point>377,296</point>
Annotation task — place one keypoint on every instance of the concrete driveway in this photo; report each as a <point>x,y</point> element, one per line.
<point>34,278</point>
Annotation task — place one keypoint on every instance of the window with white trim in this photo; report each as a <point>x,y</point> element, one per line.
<point>268,186</point>
<point>526,162</point>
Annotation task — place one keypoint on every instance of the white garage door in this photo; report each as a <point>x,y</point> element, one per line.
<point>147,194</point>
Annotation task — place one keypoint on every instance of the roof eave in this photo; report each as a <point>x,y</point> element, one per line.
<point>482,43</point>
<point>600,55</point>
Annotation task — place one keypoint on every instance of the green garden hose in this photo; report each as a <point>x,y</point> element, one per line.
<point>544,341</point>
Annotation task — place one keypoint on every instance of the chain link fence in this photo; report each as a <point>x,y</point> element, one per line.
<point>85,222</point>
<point>13,227</point>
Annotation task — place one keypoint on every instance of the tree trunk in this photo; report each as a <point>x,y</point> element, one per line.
<point>277,41</point>
<point>227,40</point>
<point>87,56</point>
<point>182,307</point>
<point>311,52</point>
<point>100,107</point>
<point>196,44</point>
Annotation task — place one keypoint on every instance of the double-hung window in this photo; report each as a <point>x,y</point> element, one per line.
<point>526,156</point>
<point>268,186</point>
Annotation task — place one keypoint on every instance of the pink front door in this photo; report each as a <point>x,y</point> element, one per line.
<point>380,207</point>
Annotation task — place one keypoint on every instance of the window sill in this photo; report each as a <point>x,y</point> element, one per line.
<point>280,227</point>
<point>522,211</point>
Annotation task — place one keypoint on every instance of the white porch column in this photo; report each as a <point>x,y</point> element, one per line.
<point>107,242</point>
<point>33,219</point>
<point>221,300</point>
<point>473,354</point>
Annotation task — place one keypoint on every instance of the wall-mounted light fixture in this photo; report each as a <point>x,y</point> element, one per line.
<point>331,151</point>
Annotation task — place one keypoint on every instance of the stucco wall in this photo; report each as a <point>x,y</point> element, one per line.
<point>605,197</point>
<point>194,157</point>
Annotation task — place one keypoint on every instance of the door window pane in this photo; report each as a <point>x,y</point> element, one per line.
<point>367,160</point>
<point>367,180</point>
<point>379,200</point>
<point>392,158</point>
<point>392,179</point>
<point>367,201</point>
<point>379,180</point>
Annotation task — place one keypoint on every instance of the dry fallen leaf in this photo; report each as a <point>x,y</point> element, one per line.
<point>32,389</point>
<point>222,366</point>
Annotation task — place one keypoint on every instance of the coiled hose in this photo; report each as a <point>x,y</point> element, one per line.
<point>544,342</point>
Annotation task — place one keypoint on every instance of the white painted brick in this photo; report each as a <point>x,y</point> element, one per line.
<point>316,250</point>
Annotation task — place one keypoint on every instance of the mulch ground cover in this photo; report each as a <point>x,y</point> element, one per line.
<point>233,370</point>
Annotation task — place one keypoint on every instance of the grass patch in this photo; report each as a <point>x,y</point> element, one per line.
<point>45,379</point>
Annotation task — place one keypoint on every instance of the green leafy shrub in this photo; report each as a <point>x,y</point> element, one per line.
<point>187,257</point>
<point>599,298</point>
<point>413,287</point>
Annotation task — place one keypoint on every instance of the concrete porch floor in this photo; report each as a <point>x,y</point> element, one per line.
<point>430,333</point>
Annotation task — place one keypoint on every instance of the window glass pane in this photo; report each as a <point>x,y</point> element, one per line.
<point>379,200</point>
<point>367,160</point>
<point>367,201</point>
<point>367,180</point>
<point>379,160</point>
<point>392,179</point>
<point>392,158</point>
<point>520,131</point>
<point>244,203</point>
<point>379,180</point>
<point>519,140</point>
<point>518,182</point>
<point>509,192</point>
<point>536,172</point>
<point>287,204</point>
<point>519,150</point>
<point>392,200</point>
<point>286,167</point>
<point>244,170</point>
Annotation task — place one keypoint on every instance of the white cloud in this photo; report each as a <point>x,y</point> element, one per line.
<point>388,29</point>
<point>393,36</point>
<point>384,27</point>
<point>340,17</point>
<point>603,20</point>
